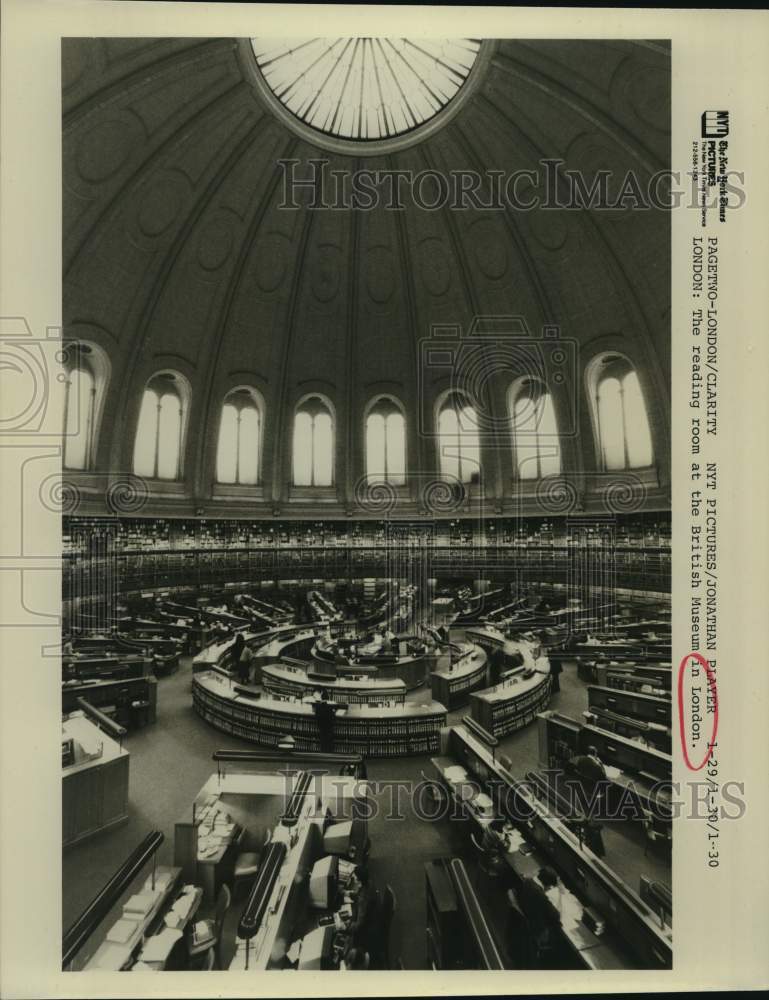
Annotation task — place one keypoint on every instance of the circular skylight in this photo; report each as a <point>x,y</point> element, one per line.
<point>365,88</point>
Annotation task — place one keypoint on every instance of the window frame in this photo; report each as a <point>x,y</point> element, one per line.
<point>393,407</point>
<point>82,355</point>
<point>516,391</point>
<point>448,400</point>
<point>256,402</point>
<point>326,405</point>
<point>614,364</point>
<point>161,384</point>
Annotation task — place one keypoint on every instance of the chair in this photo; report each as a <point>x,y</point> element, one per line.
<point>518,934</point>
<point>207,933</point>
<point>386,912</point>
<point>246,864</point>
<point>206,964</point>
<point>488,860</point>
<point>652,835</point>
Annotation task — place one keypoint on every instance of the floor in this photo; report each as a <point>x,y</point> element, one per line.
<point>171,760</point>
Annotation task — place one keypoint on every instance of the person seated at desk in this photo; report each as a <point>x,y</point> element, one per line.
<point>589,766</point>
<point>356,960</point>
<point>542,917</point>
<point>365,928</point>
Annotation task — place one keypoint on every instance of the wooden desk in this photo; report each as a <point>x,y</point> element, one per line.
<point>524,861</point>
<point>599,886</point>
<point>207,871</point>
<point>94,789</point>
<point>111,957</point>
<point>159,964</point>
<point>453,685</point>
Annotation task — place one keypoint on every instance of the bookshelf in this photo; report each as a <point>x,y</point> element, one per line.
<point>370,731</point>
<point>150,553</point>
<point>646,707</point>
<point>512,704</point>
<point>453,687</point>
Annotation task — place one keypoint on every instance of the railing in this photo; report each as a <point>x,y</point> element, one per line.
<point>291,815</point>
<point>107,725</point>
<point>475,919</point>
<point>259,896</point>
<point>483,735</point>
<point>310,761</point>
<point>107,897</point>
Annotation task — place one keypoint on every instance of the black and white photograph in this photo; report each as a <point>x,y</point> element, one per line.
<point>366,654</point>
<point>381,531</point>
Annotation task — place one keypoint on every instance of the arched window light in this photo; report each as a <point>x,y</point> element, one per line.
<point>238,452</point>
<point>79,396</point>
<point>622,421</point>
<point>365,88</point>
<point>157,450</point>
<point>386,443</point>
<point>86,370</point>
<point>458,442</point>
<point>313,449</point>
<point>535,430</point>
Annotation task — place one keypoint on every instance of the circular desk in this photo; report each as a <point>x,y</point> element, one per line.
<point>380,731</point>
<point>521,695</point>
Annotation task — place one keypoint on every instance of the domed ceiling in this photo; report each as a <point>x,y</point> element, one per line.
<point>179,251</point>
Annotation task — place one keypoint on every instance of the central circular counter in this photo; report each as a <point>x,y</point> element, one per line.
<point>373,731</point>
<point>344,655</point>
<point>294,664</point>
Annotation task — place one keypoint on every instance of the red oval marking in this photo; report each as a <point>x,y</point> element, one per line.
<point>711,679</point>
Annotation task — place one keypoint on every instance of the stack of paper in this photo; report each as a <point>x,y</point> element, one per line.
<point>140,904</point>
<point>183,905</point>
<point>162,881</point>
<point>483,804</point>
<point>122,931</point>
<point>158,947</point>
<point>109,957</point>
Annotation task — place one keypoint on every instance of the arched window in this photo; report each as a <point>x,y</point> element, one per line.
<point>313,448</point>
<point>158,446</point>
<point>386,443</point>
<point>86,369</point>
<point>624,438</point>
<point>240,435</point>
<point>458,442</point>
<point>534,430</point>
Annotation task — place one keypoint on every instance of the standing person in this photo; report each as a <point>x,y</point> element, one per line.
<point>324,713</point>
<point>593,838</point>
<point>236,650</point>
<point>555,673</point>
<point>245,663</point>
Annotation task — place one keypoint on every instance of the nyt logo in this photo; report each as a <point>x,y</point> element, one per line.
<point>715,124</point>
